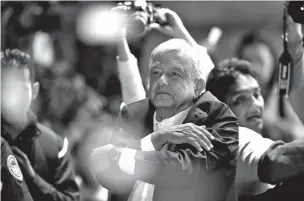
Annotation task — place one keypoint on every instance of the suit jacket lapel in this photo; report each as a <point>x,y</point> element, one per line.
<point>149,119</point>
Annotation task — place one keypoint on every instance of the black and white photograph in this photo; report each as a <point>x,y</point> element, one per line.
<point>152,100</point>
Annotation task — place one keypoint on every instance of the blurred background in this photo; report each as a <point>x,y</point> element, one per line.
<point>75,51</point>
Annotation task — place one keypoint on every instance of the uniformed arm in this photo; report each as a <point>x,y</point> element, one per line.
<point>282,161</point>
<point>183,166</point>
<point>14,187</point>
<point>64,187</point>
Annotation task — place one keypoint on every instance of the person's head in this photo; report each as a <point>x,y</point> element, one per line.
<point>177,74</point>
<point>18,86</point>
<point>262,58</point>
<point>233,83</point>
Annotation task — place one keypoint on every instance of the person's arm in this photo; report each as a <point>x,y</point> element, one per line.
<point>178,168</point>
<point>65,187</point>
<point>128,72</point>
<point>296,49</point>
<point>282,161</point>
<point>13,185</point>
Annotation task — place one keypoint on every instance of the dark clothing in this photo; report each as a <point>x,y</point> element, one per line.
<point>13,185</point>
<point>181,173</point>
<point>290,190</point>
<point>55,178</point>
<point>282,160</point>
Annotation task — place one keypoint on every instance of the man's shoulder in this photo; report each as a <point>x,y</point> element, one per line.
<point>49,140</point>
<point>209,103</point>
<point>138,108</point>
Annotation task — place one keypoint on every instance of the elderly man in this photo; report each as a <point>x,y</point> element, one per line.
<point>254,150</point>
<point>202,168</point>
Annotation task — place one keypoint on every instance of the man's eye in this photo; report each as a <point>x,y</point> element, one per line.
<point>239,100</point>
<point>175,74</point>
<point>156,73</point>
<point>257,94</point>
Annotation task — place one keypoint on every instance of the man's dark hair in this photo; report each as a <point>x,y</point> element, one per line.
<point>14,58</point>
<point>225,75</point>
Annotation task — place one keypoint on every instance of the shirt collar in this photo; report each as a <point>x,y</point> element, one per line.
<point>175,120</point>
<point>29,130</point>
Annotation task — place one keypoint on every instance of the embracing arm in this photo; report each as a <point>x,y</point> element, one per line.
<point>282,161</point>
<point>178,168</point>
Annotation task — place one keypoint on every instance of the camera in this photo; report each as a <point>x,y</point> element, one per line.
<point>140,15</point>
<point>296,11</point>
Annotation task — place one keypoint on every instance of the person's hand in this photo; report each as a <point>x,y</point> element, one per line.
<point>294,30</point>
<point>189,133</point>
<point>174,26</point>
<point>25,164</point>
<point>100,158</point>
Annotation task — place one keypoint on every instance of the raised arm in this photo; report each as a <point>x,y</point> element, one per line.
<point>296,49</point>
<point>128,72</point>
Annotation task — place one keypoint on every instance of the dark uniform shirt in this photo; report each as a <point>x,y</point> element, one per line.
<point>47,152</point>
<point>13,185</point>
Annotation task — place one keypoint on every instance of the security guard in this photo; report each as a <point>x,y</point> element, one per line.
<point>42,154</point>
<point>13,186</point>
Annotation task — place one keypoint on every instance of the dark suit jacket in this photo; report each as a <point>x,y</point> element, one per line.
<point>181,173</point>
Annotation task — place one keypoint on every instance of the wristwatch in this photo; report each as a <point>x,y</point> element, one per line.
<point>114,155</point>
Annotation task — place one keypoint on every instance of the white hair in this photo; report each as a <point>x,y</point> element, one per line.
<point>196,55</point>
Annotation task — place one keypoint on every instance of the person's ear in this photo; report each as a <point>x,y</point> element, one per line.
<point>199,87</point>
<point>35,90</point>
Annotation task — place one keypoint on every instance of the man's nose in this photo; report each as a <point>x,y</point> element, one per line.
<point>163,80</point>
<point>257,103</point>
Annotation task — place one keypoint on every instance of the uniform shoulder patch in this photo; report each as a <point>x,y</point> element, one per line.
<point>13,167</point>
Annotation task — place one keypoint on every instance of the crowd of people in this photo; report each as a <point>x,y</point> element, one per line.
<point>198,131</point>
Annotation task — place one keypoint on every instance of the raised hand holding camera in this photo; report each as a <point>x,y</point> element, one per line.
<point>140,15</point>
<point>174,27</point>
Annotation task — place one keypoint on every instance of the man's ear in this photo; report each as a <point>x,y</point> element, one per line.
<point>35,90</point>
<point>199,86</point>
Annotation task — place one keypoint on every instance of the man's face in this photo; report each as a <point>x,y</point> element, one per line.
<point>171,83</point>
<point>261,59</point>
<point>16,94</point>
<point>245,100</point>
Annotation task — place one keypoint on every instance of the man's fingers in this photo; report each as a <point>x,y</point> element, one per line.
<point>162,29</point>
<point>206,133</point>
<point>155,26</point>
<point>18,152</point>
<point>204,145</point>
<point>202,139</point>
<point>207,141</point>
<point>194,143</point>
